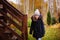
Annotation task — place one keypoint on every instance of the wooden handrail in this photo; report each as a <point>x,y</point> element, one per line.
<point>11,8</point>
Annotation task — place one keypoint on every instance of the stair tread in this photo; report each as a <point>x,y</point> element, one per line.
<point>7,31</point>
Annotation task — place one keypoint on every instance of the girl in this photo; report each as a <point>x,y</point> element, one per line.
<point>37,26</point>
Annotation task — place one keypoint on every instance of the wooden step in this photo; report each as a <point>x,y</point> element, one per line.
<point>1,6</point>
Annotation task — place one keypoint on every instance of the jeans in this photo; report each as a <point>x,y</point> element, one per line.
<point>39,39</point>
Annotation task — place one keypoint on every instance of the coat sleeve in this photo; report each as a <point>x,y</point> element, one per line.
<point>32,26</point>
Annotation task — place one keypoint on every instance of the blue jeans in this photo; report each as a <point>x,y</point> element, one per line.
<point>39,39</point>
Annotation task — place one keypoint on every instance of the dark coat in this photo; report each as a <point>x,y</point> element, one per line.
<point>59,19</point>
<point>37,28</point>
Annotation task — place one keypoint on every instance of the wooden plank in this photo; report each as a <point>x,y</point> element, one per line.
<point>1,6</point>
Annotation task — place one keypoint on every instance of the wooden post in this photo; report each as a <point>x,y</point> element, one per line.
<point>25,33</point>
<point>0,1</point>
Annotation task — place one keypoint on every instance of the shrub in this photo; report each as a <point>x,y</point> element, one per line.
<point>48,18</point>
<point>53,20</point>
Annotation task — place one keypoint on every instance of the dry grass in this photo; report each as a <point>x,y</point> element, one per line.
<point>56,26</point>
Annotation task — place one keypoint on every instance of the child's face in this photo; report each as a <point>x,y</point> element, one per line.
<point>36,16</point>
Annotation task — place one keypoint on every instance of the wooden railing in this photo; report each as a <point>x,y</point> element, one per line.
<point>16,18</point>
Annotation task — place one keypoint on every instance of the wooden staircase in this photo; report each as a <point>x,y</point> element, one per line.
<point>13,24</point>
